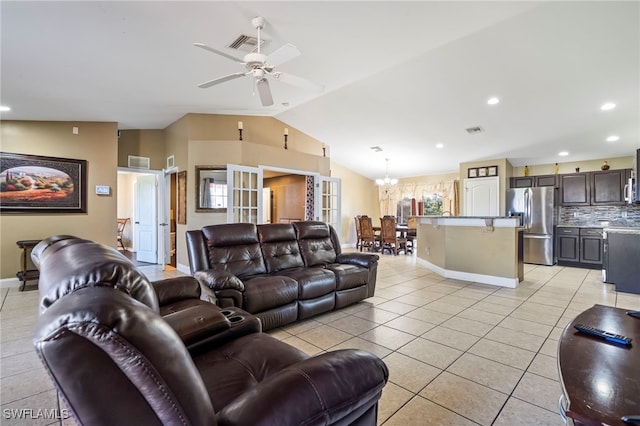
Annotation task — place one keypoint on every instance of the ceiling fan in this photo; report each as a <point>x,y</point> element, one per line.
<point>261,66</point>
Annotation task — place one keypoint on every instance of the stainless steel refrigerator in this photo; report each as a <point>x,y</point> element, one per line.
<point>535,207</point>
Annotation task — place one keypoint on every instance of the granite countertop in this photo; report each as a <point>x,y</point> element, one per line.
<point>605,224</point>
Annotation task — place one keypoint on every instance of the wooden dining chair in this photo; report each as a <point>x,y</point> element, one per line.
<point>358,232</point>
<point>412,234</point>
<point>122,222</point>
<point>368,238</point>
<point>389,239</point>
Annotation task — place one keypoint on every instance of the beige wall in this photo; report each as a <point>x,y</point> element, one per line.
<point>96,143</point>
<point>289,195</point>
<point>143,143</point>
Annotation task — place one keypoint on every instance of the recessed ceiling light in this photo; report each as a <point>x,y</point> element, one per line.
<point>607,106</point>
<point>4,108</point>
<point>440,145</point>
<point>613,138</point>
<point>493,101</point>
<point>563,153</point>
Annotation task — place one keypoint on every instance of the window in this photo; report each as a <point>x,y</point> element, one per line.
<point>432,204</point>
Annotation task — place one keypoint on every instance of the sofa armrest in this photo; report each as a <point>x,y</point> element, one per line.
<point>219,280</point>
<point>197,322</point>
<point>178,288</point>
<point>334,386</point>
<point>365,260</point>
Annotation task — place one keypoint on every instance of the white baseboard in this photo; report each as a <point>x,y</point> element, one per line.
<point>468,276</point>
<point>10,283</point>
<point>185,269</point>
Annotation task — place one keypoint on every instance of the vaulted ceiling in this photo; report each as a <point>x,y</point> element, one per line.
<point>403,76</point>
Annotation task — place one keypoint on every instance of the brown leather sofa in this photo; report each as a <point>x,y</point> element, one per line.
<point>280,272</point>
<point>116,358</point>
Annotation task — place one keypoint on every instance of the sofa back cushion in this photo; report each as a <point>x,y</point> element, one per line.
<point>234,247</point>
<point>315,243</point>
<point>279,246</point>
<point>68,264</point>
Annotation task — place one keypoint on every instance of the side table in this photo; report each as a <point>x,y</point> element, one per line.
<point>26,274</point>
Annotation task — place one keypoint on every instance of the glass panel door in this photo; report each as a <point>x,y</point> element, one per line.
<point>327,200</point>
<point>244,194</point>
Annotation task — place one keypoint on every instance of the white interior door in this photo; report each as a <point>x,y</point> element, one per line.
<point>244,189</point>
<point>266,205</point>
<point>146,220</point>
<point>327,196</point>
<point>481,197</point>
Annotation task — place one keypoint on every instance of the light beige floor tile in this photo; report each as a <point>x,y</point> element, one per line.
<point>458,300</point>
<point>522,340</point>
<point>526,326</point>
<point>432,353</point>
<point>396,307</point>
<point>544,365</point>
<point>445,308</point>
<point>327,317</point>
<point>279,333</point>
<point>303,345</point>
<point>426,315</point>
<point>353,325</point>
<point>486,372</point>
<point>23,385</point>
<point>496,299</point>
<point>379,316</point>
<point>469,399</point>
<point>550,348</point>
<point>301,326</point>
<point>414,300</point>
<point>493,308</point>
<point>516,411</point>
<point>452,338</point>
<point>420,411</point>
<point>410,325</point>
<point>539,391</point>
<point>18,346</point>
<point>409,373</point>
<point>324,337</point>
<point>481,316</point>
<point>388,337</point>
<point>38,409</point>
<point>468,326</point>
<point>503,353</point>
<point>19,363</point>
<point>365,345</point>
<point>393,397</point>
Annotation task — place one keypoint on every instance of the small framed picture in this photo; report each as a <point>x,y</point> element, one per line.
<point>472,173</point>
<point>482,171</point>
<point>492,171</point>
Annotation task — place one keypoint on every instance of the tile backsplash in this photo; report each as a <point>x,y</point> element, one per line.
<point>576,215</point>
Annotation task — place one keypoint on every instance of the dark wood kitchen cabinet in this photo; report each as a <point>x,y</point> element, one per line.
<point>607,187</point>
<point>568,244</point>
<point>575,189</point>
<point>591,246</point>
<point>532,181</point>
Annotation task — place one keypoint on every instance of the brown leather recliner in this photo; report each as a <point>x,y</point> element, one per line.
<point>115,360</point>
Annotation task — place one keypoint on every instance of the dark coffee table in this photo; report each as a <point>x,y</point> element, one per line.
<point>601,380</point>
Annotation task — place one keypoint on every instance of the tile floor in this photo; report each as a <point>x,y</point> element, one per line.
<point>458,353</point>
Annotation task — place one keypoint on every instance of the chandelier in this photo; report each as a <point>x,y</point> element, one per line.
<point>387,181</point>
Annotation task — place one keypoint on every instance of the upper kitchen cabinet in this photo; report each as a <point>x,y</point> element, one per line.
<point>575,189</point>
<point>532,181</point>
<point>604,188</point>
<point>607,188</point>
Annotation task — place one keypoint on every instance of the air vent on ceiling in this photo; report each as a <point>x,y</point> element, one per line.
<point>474,130</point>
<point>376,149</point>
<point>135,162</point>
<point>246,43</point>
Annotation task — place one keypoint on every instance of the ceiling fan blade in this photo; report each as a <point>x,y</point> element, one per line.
<point>265,92</point>
<point>217,52</point>
<point>298,81</point>
<point>221,80</point>
<point>283,54</point>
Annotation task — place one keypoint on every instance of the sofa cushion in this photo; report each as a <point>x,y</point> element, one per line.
<point>312,282</point>
<point>315,243</point>
<point>234,248</point>
<point>279,247</point>
<point>348,276</point>
<point>266,292</point>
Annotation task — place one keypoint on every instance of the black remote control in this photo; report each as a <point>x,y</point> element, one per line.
<point>631,419</point>
<point>607,335</point>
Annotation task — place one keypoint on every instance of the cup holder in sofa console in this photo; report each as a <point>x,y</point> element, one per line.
<point>236,319</point>
<point>226,313</point>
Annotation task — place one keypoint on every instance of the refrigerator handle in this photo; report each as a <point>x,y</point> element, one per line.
<point>527,209</point>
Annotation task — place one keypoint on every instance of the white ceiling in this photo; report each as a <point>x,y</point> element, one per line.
<point>399,75</point>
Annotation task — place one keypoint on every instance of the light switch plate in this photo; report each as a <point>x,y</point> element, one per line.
<point>103,190</point>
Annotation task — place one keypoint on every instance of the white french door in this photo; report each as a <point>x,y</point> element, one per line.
<point>327,197</point>
<point>244,192</point>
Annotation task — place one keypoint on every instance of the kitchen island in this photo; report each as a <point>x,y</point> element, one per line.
<point>622,252</point>
<point>486,250</point>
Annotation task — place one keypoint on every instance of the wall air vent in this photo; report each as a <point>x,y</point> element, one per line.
<point>246,43</point>
<point>376,149</point>
<point>474,130</point>
<point>135,162</point>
